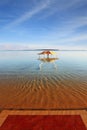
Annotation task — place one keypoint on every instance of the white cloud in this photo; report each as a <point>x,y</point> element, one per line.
<point>74,39</point>
<point>29,14</point>
<point>75,23</point>
<point>13,46</point>
<point>68,44</point>
<point>68,30</point>
<point>57,6</point>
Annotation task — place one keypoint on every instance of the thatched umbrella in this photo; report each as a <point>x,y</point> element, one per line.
<point>47,53</point>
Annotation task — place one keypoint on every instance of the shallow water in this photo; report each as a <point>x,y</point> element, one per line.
<point>28,81</point>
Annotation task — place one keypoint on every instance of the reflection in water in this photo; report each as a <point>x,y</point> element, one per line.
<point>47,60</point>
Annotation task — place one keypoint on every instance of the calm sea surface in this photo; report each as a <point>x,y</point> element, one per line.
<point>28,81</point>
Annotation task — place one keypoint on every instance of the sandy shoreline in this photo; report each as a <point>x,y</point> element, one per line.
<point>43,93</point>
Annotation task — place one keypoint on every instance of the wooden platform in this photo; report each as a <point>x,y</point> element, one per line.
<point>5,113</point>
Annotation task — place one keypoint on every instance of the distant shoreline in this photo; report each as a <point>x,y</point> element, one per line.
<point>43,49</point>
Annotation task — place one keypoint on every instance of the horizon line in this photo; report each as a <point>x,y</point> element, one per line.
<point>44,49</point>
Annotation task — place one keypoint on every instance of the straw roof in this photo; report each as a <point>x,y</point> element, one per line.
<point>47,52</point>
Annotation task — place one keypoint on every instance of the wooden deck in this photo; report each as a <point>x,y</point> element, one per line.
<point>5,113</point>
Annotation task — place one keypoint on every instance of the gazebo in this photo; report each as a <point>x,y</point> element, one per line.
<point>47,52</point>
<point>47,59</point>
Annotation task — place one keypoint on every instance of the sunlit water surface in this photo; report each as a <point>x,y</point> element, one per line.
<point>28,81</point>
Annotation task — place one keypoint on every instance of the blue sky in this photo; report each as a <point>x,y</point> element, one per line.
<point>27,24</point>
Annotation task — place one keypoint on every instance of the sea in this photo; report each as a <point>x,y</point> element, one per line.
<point>32,81</point>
